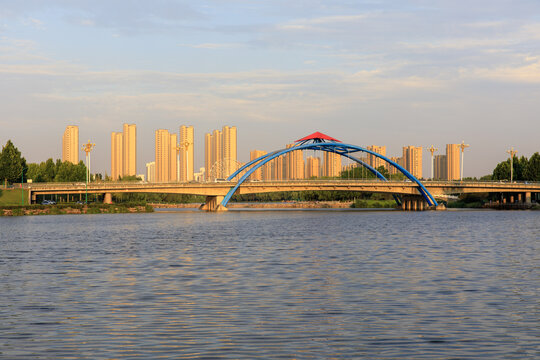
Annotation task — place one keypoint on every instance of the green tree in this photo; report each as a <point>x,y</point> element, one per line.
<point>502,171</point>
<point>68,172</point>
<point>533,168</point>
<point>12,163</point>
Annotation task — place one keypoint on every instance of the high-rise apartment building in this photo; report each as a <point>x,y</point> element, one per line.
<point>392,170</point>
<point>440,167</point>
<point>294,160</point>
<point>129,152</point>
<point>186,153</point>
<point>124,152</point>
<point>313,167</point>
<point>117,149</point>
<point>258,174</point>
<point>221,153</point>
<point>452,162</point>
<point>373,160</point>
<point>331,164</point>
<point>166,159</point>
<point>412,160</point>
<point>70,144</point>
<point>151,172</point>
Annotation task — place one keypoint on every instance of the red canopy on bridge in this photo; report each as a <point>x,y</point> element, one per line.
<point>317,136</point>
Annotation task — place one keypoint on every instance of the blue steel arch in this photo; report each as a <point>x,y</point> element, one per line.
<point>339,148</point>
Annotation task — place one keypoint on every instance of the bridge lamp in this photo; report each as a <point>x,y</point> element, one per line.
<point>87,148</point>
<point>185,146</point>
<point>432,149</point>
<point>462,146</point>
<point>512,153</point>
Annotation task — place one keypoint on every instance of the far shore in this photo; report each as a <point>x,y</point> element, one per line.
<point>267,205</point>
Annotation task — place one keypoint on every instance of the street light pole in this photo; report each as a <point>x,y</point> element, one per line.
<point>184,145</point>
<point>22,189</point>
<point>87,148</point>
<point>432,149</point>
<point>512,153</point>
<point>462,146</point>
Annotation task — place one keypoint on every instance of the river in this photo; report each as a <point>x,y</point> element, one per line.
<point>259,284</point>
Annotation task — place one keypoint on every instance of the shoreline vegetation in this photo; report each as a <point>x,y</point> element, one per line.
<point>65,209</point>
<point>10,204</point>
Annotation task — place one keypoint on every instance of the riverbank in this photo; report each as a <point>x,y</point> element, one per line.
<point>287,205</point>
<point>64,209</point>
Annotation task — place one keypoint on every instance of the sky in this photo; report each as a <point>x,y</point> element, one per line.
<point>367,72</point>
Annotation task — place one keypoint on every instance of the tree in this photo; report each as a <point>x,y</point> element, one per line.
<point>68,172</point>
<point>12,164</point>
<point>533,168</point>
<point>502,171</point>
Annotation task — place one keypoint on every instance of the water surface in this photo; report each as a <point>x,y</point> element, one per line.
<point>291,284</point>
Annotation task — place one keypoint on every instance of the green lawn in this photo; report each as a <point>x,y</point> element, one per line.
<point>12,197</point>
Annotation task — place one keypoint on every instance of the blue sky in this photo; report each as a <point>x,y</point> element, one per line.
<point>366,72</point>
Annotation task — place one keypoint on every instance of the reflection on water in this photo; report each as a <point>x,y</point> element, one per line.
<point>270,284</point>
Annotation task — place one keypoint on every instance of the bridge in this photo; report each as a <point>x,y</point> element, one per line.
<point>412,198</point>
<point>410,194</point>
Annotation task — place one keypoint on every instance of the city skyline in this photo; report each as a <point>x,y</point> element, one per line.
<point>179,150</point>
<point>385,72</point>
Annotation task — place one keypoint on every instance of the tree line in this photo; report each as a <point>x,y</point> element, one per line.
<point>13,168</point>
<point>523,169</point>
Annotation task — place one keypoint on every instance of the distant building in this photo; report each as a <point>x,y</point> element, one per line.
<point>452,162</point>
<point>257,174</point>
<point>331,164</point>
<point>294,161</point>
<point>412,160</point>
<point>373,160</point>
<point>124,152</point>
<point>151,171</point>
<point>392,170</point>
<point>220,159</point>
<point>70,144</point>
<point>440,167</point>
<point>313,167</point>
<point>186,153</point>
<point>166,160</point>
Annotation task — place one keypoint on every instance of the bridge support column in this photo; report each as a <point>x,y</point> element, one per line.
<point>107,198</point>
<point>527,197</point>
<point>413,203</point>
<point>213,203</point>
<point>511,199</point>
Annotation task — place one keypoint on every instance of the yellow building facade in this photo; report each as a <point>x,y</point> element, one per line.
<point>374,161</point>
<point>221,153</point>
<point>70,144</point>
<point>313,167</point>
<point>166,156</point>
<point>257,174</point>
<point>124,152</point>
<point>412,160</point>
<point>452,162</point>
<point>331,164</point>
<point>186,153</point>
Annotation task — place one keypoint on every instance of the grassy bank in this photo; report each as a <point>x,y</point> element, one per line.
<point>61,209</point>
<point>373,204</point>
<point>12,197</point>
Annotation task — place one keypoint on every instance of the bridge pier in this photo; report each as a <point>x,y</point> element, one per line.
<point>107,198</point>
<point>527,197</point>
<point>213,204</point>
<point>413,203</point>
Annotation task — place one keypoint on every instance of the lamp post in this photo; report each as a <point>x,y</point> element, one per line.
<point>87,148</point>
<point>432,149</point>
<point>462,146</point>
<point>183,145</point>
<point>22,189</point>
<point>512,153</point>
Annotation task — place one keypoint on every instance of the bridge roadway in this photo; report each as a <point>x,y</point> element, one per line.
<point>216,190</point>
